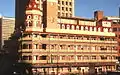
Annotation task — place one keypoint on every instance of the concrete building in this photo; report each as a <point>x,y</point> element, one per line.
<point>116,29</point>
<point>7,25</point>
<point>66,8</point>
<point>64,44</point>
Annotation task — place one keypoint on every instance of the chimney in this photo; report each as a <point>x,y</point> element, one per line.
<point>98,15</point>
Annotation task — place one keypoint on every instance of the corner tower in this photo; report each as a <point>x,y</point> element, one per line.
<point>33,16</point>
<point>28,14</point>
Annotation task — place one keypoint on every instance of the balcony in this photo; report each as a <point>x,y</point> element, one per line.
<point>76,40</point>
<point>33,50</point>
<point>34,61</point>
<point>80,32</point>
<point>39,61</point>
<point>31,38</point>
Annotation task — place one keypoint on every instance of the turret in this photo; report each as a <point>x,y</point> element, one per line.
<point>33,16</point>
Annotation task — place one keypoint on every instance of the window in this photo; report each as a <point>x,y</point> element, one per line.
<point>37,1</point>
<point>58,2</point>
<point>35,6</point>
<point>36,46</point>
<point>35,17</point>
<point>62,2</point>
<point>30,57</point>
<point>66,3</point>
<point>118,29</point>
<point>82,27</point>
<point>30,6</point>
<point>93,57</point>
<point>30,46</point>
<point>70,9</point>
<point>63,57</point>
<point>52,46</point>
<point>43,46</point>
<point>63,14</point>
<point>66,9</point>
<point>58,7</point>
<point>79,57</point>
<point>25,46</point>
<point>63,26</point>
<point>66,14</point>
<point>29,23</point>
<point>43,57</point>
<point>58,13</point>
<point>86,28</point>
<point>70,3</point>
<point>72,27</point>
<point>99,29</point>
<point>103,57</point>
<point>70,15</point>
<point>110,30</point>
<point>25,57</point>
<point>35,35</point>
<point>68,26</point>
<point>29,17</point>
<point>77,27</point>
<point>37,23</point>
<point>62,8</point>
<point>114,29</point>
<point>43,35</point>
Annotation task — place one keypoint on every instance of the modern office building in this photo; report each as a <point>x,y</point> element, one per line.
<point>64,44</point>
<point>7,25</point>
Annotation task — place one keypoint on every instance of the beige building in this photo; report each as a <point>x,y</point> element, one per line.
<point>65,44</point>
<point>7,25</point>
<point>116,30</point>
<point>66,8</point>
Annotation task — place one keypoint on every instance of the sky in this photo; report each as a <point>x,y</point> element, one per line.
<point>83,8</point>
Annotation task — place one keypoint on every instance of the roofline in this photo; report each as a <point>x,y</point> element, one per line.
<point>77,18</point>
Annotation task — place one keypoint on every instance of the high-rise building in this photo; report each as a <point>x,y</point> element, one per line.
<point>65,8</point>
<point>64,44</point>
<point>7,25</point>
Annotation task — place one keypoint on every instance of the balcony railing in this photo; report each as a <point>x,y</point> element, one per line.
<point>70,51</point>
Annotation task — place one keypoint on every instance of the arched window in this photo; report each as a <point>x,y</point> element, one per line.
<point>29,17</point>
<point>36,17</point>
<point>59,26</point>
<point>35,6</point>
<point>86,28</point>
<point>30,6</point>
<point>77,27</point>
<point>90,28</point>
<point>110,30</point>
<point>99,29</point>
<point>63,26</point>
<point>105,29</point>
<point>29,23</point>
<point>95,29</point>
<point>73,27</point>
<point>68,26</point>
<point>82,28</point>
